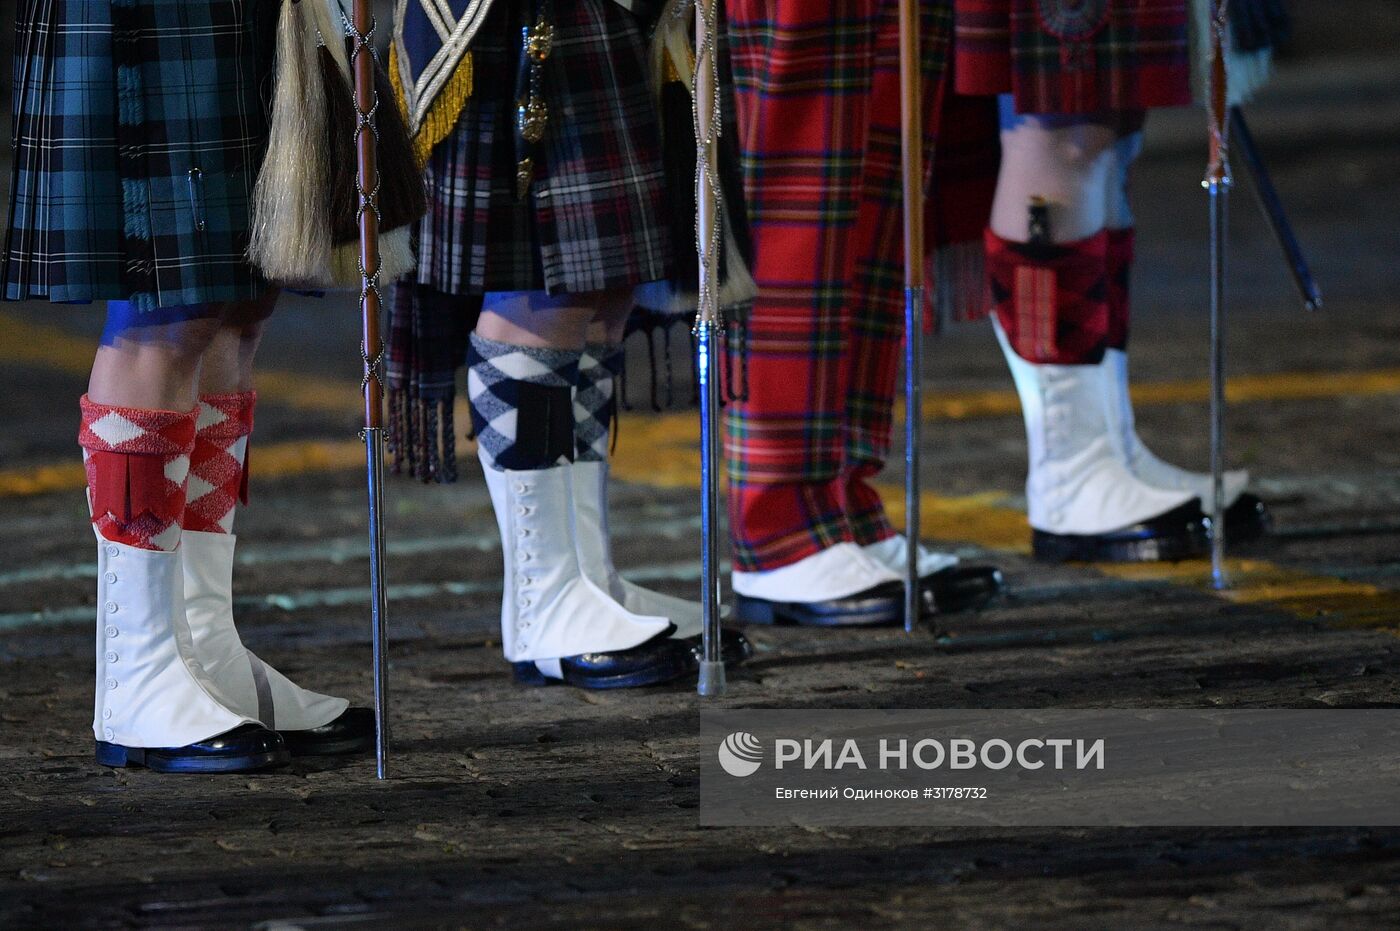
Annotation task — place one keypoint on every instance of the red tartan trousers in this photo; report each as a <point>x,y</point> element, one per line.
<point>817,83</point>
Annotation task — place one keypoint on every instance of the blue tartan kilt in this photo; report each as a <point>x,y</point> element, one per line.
<point>139,129</point>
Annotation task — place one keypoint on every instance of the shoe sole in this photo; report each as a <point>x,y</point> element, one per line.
<point>1247,520</point>
<point>731,656</point>
<point>118,757</point>
<point>527,673</point>
<point>1061,548</point>
<point>757,611</point>
<point>971,595</point>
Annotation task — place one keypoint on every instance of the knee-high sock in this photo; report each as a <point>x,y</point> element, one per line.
<point>218,466</point>
<point>137,464</point>
<point>522,403</point>
<point>1120,270</point>
<point>594,403</point>
<point>1052,300</point>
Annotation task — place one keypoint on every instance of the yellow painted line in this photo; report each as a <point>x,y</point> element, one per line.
<point>984,519</point>
<point>42,480</point>
<point>1338,602</point>
<point>272,460</point>
<point>664,452</point>
<point>45,346</point>
<point>51,348</point>
<point>1240,389</point>
<point>278,460</point>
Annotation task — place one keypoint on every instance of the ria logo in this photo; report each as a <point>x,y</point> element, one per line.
<point>741,754</point>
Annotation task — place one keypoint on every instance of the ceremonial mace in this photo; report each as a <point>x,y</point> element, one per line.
<point>912,154</point>
<point>708,327</point>
<point>372,352</point>
<point>1217,184</point>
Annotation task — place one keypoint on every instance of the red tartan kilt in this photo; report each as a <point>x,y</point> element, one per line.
<point>1073,56</point>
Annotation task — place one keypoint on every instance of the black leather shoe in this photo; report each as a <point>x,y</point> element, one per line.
<point>734,647</point>
<point>1247,519</point>
<point>1181,533</point>
<point>883,604</point>
<point>658,660</point>
<point>245,749</point>
<point>352,732</point>
<point>961,588</point>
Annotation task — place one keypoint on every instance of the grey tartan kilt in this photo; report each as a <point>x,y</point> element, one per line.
<point>596,216</point>
<point>139,128</point>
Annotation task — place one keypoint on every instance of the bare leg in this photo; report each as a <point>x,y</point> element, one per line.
<point>533,318</point>
<point>228,362</point>
<point>1128,146</point>
<point>152,367</point>
<point>1066,161</point>
<point>610,322</point>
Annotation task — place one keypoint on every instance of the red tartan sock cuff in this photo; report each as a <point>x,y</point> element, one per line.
<point>1121,248</point>
<point>1052,300</point>
<point>226,417</point>
<point>113,429</point>
<point>127,486</point>
<point>137,462</point>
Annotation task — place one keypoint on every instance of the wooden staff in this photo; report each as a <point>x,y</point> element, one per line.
<point>912,150</point>
<point>372,351</point>
<point>1217,184</point>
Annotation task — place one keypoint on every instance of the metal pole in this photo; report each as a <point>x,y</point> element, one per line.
<point>707,332</point>
<point>1272,206</point>
<point>1217,184</point>
<point>372,351</point>
<point>912,151</point>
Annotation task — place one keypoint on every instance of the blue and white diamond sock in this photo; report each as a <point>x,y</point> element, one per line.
<point>522,403</point>
<point>598,371</point>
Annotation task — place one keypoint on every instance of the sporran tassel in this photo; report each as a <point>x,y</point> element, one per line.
<point>291,238</point>
<point>306,203</point>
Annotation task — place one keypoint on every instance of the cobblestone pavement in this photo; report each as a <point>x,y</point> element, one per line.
<point>523,807</point>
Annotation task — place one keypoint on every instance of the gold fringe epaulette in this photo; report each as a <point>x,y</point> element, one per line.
<point>442,116</point>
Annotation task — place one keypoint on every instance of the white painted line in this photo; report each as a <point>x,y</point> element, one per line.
<point>309,599</point>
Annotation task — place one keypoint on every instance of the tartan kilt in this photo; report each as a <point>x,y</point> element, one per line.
<point>1073,56</point>
<point>595,217</point>
<point>139,128</point>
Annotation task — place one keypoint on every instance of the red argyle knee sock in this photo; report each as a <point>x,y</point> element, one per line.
<point>1120,272</point>
<point>138,464</point>
<point>218,473</point>
<point>1052,300</point>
